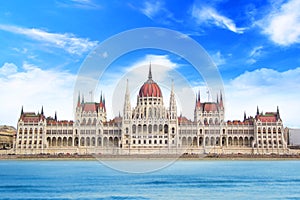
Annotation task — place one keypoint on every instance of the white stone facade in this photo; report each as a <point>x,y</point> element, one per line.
<point>150,128</point>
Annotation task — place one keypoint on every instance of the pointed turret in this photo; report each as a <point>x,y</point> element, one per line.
<point>42,111</point>
<point>217,99</point>
<point>221,100</point>
<point>101,98</point>
<point>245,116</point>
<point>78,100</point>
<point>55,116</point>
<point>198,102</point>
<point>150,73</point>
<point>127,106</point>
<point>82,100</point>
<point>173,107</point>
<point>257,111</point>
<point>278,114</point>
<point>22,112</point>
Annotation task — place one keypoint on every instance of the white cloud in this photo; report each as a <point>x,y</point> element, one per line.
<point>156,11</point>
<point>81,4</point>
<point>8,68</point>
<point>218,58</point>
<point>208,15</point>
<point>33,87</point>
<point>266,88</point>
<point>151,9</point>
<point>256,51</point>
<point>254,54</point>
<point>282,25</point>
<point>137,74</point>
<point>67,41</point>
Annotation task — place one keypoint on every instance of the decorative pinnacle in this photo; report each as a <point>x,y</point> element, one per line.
<point>150,73</point>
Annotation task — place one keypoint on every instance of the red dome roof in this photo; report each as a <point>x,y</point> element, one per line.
<point>150,88</point>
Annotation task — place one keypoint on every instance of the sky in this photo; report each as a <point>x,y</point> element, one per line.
<point>254,44</point>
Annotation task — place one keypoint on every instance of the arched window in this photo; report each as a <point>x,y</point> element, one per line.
<point>216,121</point>
<point>133,128</point>
<point>155,128</point>
<point>160,128</point>
<point>166,128</point>
<point>150,128</point>
<point>150,113</point>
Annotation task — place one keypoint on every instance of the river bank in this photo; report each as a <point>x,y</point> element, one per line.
<point>153,156</point>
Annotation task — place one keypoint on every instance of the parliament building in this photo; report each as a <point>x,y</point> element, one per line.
<point>150,128</point>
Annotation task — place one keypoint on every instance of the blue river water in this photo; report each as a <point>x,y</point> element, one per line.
<point>181,180</point>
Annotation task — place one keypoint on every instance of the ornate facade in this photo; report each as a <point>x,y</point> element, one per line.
<point>150,128</point>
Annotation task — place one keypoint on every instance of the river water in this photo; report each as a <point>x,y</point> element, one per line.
<point>181,180</point>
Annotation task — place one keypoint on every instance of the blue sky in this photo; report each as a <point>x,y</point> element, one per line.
<point>255,44</point>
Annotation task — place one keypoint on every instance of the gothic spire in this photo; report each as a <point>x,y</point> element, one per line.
<point>172,87</point>
<point>78,100</point>
<point>221,100</point>
<point>42,111</point>
<point>55,116</point>
<point>245,116</point>
<point>257,111</point>
<point>278,114</point>
<point>150,73</point>
<point>82,100</point>
<point>22,112</point>
<point>127,106</point>
<point>101,98</point>
<point>173,107</point>
<point>217,99</point>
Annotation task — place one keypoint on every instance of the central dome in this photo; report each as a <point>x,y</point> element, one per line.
<point>150,88</point>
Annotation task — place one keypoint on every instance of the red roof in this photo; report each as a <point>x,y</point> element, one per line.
<point>62,122</point>
<point>210,107</point>
<point>92,107</point>
<point>150,89</point>
<point>184,120</point>
<point>31,117</point>
<point>267,117</point>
